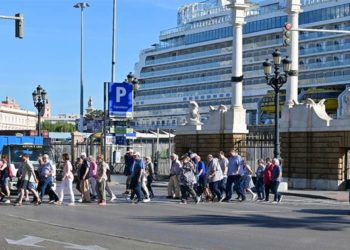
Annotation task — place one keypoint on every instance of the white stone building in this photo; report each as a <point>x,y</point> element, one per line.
<point>12,117</point>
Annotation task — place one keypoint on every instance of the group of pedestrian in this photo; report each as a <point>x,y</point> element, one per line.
<point>220,177</point>
<point>215,179</point>
<point>140,175</point>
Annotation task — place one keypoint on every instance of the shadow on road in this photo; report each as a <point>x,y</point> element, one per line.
<point>325,211</point>
<point>334,223</point>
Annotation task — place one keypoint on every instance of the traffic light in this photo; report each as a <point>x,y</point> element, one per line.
<point>287,34</point>
<point>19,25</point>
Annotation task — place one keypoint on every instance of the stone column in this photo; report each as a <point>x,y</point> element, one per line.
<point>236,122</point>
<point>293,10</point>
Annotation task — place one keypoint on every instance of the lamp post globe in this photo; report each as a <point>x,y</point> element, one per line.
<point>276,80</point>
<point>39,99</point>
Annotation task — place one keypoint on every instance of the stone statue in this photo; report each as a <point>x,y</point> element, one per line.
<point>194,116</point>
<point>346,104</point>
<point>90,103</point>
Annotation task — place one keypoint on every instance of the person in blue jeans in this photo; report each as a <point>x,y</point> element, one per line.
<point>45,176</point>
<point>276,180</point>
<point>138,171</point>
<point>233,177</point>
<point>259,173</point>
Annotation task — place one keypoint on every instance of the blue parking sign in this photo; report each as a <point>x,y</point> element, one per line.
<point>120,99</point>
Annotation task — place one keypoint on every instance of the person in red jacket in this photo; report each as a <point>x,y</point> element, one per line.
<point>268,178</point>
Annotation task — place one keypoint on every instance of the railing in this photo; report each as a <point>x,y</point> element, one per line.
<point>189,56</point>
<point>327,48</point>
<point>318,65</point>
<point>182,82</point>
<point>322,80</point>
<point>187,69</point>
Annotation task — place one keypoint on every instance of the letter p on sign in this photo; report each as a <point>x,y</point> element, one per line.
<point>120,92</point>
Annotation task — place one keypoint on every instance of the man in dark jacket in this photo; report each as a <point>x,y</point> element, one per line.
<point>129,163</point>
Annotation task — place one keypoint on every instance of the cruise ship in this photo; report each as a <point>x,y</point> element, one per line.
<point>193,61</point>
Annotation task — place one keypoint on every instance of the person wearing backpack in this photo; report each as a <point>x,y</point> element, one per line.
<point>187,179</point>
<point>5,177</point>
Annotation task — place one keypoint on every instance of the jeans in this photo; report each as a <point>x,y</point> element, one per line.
<point>275,185</point>
<point>235,181</point>
<point>92,181</point>
<point>260,188</point>
<point>223,185</point>
<point>137,190</point>
<point>202,183</point>
<point>149,185</point>
<point>215,188</point>
<point>268,187</point>
<point>46,185</point>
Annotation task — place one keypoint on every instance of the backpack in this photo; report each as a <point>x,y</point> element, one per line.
<point>187,176</point>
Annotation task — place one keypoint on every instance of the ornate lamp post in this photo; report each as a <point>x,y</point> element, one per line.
<point>39,98</point>
<point>276,81</point>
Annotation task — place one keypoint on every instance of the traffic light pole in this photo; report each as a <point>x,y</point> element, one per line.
<point>19,23</point>
<point>323,30</point>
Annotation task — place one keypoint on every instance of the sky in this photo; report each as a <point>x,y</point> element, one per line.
<point>49,53</point>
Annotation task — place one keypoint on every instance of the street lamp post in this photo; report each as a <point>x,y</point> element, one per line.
<point>82,6</point>
<point>131,79</point>
<point>276,81</point>
<point>39,98</point>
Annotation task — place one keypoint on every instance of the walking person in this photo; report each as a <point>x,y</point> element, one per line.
<point>46,173</point>
<point>92,176</point>
<point>215,176</point>
<point>67,181</point>
<point>268,178</point>
<point>187,180</point>
<point>108,188</point>
<point>259,173</point>
<point>129,163</point>
<point>4,179</point>
<point>233,177</point>
<point>247,181</point>
<point>136,178</point>
<point>201,174</point>
<point>173,185</point>
<point>276,180</point>
<point>84,179</point>
<point>149,170</point>
<point>29,181</point>
<point>223,161</point>
<point>101,180</point>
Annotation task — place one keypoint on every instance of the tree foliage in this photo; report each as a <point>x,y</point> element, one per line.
<point>58,126</point>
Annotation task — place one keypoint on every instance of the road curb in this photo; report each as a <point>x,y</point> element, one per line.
<point>312,196</point>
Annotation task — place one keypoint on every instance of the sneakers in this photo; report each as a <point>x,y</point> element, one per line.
<point>126,192</point>
<point>254,197</point>
<point>59,203</point>
<point>80,200</point>
<point>113,198</point>
<point>222,198</point>
<point>198,199</point>
<point>183,202</point>
<point>7,202</point>
<point>146,200</point>
<point>71,204</point>
<point>280,199</point>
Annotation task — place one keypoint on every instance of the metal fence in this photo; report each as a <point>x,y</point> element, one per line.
<point>256,146</point>
<point>115,154</point>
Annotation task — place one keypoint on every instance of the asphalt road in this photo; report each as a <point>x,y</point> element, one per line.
<point>296,223</point>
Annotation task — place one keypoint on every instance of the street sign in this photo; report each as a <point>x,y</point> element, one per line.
<point>109,139</point>
<point>120,97</point>
<point>120,140</point>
